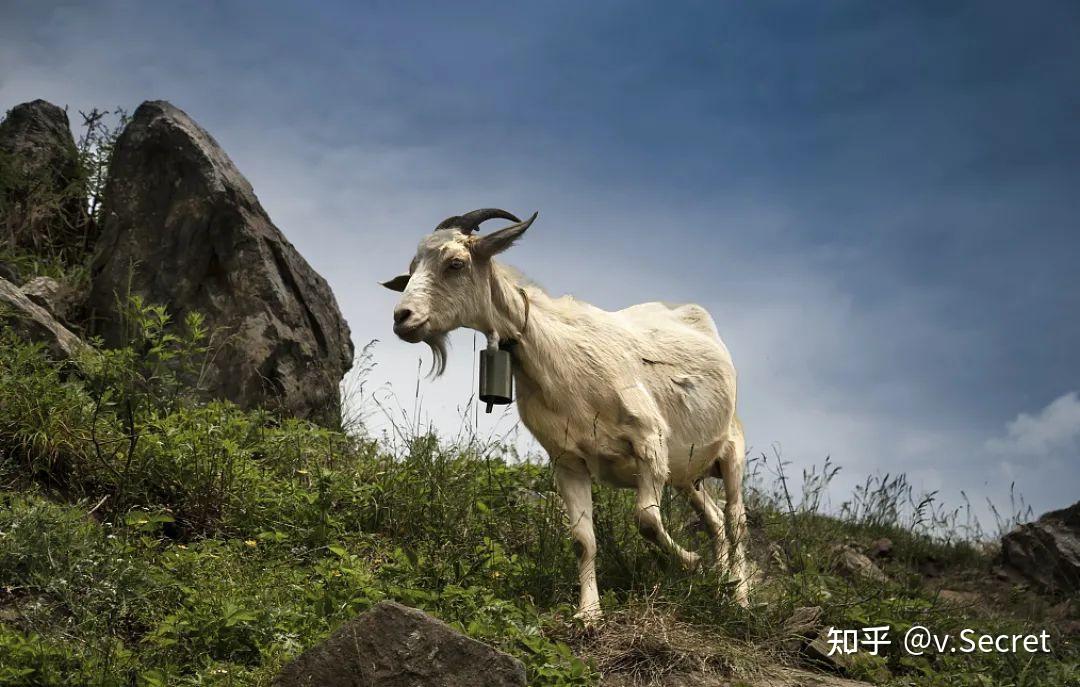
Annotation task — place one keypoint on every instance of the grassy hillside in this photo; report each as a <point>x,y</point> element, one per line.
<point>149,539</point>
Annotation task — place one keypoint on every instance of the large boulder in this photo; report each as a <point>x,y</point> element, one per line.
<point>33,323</point>
<point>182,228</point>
<point>1047,551</point>
<point>396,646</point>
<point>42,208</point>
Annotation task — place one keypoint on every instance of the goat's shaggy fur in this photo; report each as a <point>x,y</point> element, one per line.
<point>636,398</point>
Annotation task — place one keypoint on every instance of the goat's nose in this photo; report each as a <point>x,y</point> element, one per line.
<point>402,314</point>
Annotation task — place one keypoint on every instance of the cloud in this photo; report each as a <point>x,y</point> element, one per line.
<point>869,233</point>
<point>1040,453</point>
<point>1053,431</point>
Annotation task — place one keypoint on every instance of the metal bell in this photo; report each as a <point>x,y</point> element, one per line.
<point>496,378</point>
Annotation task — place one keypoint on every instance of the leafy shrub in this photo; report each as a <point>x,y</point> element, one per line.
<point>157,539</point>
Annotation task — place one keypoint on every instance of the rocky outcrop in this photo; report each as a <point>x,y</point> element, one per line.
<point>183,228</point>
<point>41,209</point>
<point>59,300</point>
<point>1047,551</point>
<point>32,322</point>
<point>395,646</point>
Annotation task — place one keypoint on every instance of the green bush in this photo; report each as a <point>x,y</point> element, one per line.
<point>148,537</point>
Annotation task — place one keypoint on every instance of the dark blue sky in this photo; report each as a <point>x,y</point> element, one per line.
<point>877,201</point>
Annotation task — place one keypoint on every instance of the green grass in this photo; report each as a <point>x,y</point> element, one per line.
<point>147,538</point>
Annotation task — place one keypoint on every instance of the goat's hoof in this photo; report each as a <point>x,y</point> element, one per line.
<point>742,596</point>
<point>589,616</point>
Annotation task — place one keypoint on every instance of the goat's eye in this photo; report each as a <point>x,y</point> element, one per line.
<point>456,264</point>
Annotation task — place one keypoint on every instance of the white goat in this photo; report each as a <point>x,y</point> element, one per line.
<point>637,398</point>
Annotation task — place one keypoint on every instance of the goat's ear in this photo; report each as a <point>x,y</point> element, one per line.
<point>398,283</point>
<point>497,242</point>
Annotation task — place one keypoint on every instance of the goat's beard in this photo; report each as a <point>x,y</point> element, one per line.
<point>438,345</point>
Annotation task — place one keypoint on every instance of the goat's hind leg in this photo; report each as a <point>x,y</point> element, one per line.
<point>713,519</point>
<point>650,490</point>
<point>732,467</point>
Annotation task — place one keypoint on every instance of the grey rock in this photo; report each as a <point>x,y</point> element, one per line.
<point>50,294</point>
<point>43,207</point>
<point>851,563</point>
<point>881,548</point>
<point>801,627</point>
<point>182,228</point>
<point>33,323</point>
<point>395,646</point>
<point>1047,551</point>
<point>803,622</point>
<point>820,652</point>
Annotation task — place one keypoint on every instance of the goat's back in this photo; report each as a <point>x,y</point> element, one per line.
<point>691,315</point>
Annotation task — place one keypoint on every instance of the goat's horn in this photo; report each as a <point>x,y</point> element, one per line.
<point>470,221</point>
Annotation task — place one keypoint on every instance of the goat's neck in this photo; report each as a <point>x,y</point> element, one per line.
<point>506,320</point>
<point>541,342</point>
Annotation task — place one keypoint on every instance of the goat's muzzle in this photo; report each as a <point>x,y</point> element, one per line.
<point>409,327</point>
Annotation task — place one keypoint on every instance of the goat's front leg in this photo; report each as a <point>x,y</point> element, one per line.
<point>492,341</point>
<point>650,489</point>
<point>574,483</point>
